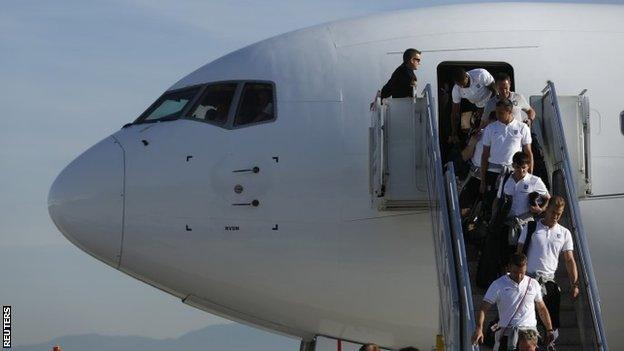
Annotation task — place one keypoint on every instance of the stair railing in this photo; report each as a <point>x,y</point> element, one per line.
<point>587,271</point>
<point>468,323</point>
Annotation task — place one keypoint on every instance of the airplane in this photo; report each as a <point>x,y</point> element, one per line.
<point>251,189</point>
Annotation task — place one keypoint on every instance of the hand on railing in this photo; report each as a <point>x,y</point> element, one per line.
<point>373,105</point>
<point>477,337</point>
<point>574,291</point>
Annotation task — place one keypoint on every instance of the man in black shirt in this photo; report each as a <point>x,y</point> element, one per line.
<point>403,81</point>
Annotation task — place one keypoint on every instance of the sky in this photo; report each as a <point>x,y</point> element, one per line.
<point>73,72</point>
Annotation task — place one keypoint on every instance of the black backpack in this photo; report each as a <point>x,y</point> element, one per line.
<point>530,230</point>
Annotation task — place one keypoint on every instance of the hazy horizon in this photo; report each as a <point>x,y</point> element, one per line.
<point>74,72</point>
<point>221,337</point>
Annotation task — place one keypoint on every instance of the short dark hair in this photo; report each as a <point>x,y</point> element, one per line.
<point>458,74</point>
<point>409,53</point>
<point>520,158</point>
<point>506,103</point>
<point>518,259</point>
<point>503,76</point>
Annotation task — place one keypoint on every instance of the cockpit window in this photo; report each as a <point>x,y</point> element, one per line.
<point>214,105</point>
<point>169,106</point>
<point>257,104</point>
<point>227,104</point>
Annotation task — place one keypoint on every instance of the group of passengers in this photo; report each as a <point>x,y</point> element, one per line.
<point>522,240</point>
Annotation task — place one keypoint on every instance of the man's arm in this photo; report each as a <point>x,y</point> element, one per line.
<point>489,109</point>
<point>530,114</point>
<point>572,272</point>
<point>542,311</point>
<point>485,156</point>
<point>372,104</point>
<point>386,91</point>
<point>469,150</point>
<point>537,209</point>
<point>477,336</point>
<point>527,150</point>
<point>524,105</point>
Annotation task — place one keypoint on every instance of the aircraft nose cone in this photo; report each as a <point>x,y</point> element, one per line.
<point>86,201</point>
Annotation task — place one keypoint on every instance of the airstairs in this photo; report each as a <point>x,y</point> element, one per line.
<point>406,173</point>
<point>562,127</point>
<point>405,152</point>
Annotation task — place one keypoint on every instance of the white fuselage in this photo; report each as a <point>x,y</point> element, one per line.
<point>314,258</point>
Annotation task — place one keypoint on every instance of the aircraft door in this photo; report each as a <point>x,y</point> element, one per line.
<point>574,110</point>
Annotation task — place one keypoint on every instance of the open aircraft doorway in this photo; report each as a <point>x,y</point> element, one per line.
<point>445,87</point>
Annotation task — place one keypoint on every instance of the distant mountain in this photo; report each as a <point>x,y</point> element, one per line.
<point>222,337</point>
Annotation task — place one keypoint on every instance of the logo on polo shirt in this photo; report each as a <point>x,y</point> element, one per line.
<point>515,131</point>
<point>515,103</point>
<point>558,235</point>
<point>478,86</point>
<point>526,186</point>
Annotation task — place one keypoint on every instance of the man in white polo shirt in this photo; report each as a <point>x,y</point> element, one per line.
<point>476,86</point>
<point>544,241</point>
<point>501,140</point>
<point>519,186</point>
<point>516,297</point>
<point>503,84</point>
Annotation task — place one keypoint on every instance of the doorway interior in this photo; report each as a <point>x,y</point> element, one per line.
<point>445,86</point>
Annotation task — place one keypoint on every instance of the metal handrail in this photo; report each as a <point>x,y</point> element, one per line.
<point>575,212</point>
<point>376,149</point>
<point>461,263</point>
<point>442,237</point>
